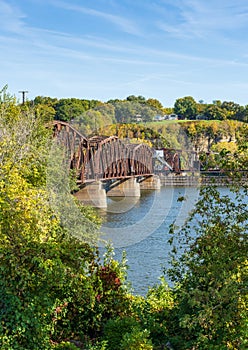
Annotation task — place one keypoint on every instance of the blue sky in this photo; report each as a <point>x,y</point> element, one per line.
<point>104,49</point>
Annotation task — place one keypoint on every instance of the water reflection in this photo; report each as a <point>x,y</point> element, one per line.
<point>140,226</point>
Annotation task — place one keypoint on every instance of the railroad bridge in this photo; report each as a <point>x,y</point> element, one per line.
<point>106,166</point>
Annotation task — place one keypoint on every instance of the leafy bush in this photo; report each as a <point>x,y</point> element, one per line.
<point>66,346</point>
<point>137,339</point>
<point>212,275</point>
<point>98,345</point>
<point>115,329</point>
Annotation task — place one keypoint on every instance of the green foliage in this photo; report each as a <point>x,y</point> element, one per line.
<point>136,133</point>
<point>67,109</point>
<point>238,160</point>
<point>153,311</point>
<point>111,287</point>
<point>98,345</point>
<point>228,146</point>
<point>64,109</point>
<point>55,292</point>
<point>186,107</point>
<point>198,135</point>
<point>115,329</point>
<point>8,108</point>
<point>137,339</point>
<point>128,111</point>
<point>65,346</point>
<point>48,279</point>
<point>67,208</point>
<point>126,334</point>
<point>214,112</point>
<point>94,119</point>
<point>139,99</point>
<point>45,112</point>
<point>155,104</point>
<point>212,275</point>
<point>229,156</point>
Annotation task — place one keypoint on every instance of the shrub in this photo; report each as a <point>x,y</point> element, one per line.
<point>66,346</point>
<point>115,329</point>
<point>137,339</point>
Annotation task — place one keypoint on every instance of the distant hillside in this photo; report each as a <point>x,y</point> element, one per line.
<point>199,136</point>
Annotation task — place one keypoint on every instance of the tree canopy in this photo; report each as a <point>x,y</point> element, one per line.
<point>136,108</point>
<point>56,290</point>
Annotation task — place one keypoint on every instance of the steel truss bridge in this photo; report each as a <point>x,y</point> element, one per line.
<point>102,158</point>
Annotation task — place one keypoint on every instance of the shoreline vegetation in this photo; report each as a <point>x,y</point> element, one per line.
<point>57,292</point>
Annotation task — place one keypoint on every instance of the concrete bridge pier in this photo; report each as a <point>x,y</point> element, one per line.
<point>151,183</point>
<point>93,194</point>
<point>127,188</point>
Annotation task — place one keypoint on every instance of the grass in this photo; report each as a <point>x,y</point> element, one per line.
<point>167,122</point>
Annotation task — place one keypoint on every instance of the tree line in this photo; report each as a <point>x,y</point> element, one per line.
<point>94,114</point>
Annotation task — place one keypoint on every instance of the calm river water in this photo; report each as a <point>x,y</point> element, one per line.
<point>140,226</point>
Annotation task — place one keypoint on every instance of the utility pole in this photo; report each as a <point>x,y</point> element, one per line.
<point>23,95</point>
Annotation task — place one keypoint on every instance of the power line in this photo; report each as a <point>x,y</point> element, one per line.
<point>23,92</point>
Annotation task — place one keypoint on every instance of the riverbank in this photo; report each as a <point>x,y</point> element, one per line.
<point>198,179</point>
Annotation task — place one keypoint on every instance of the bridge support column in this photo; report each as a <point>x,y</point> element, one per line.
<point>93,194</point>
<point>151,183</point>
<point>127,188</point>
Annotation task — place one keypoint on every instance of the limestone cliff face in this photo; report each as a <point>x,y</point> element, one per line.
<point>192,135</point>
<point>203,136</point>
<point>203,143</point>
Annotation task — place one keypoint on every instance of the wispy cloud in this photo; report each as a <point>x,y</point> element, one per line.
<point>11,18</point>
<point>193,18</point>
<point>104,41</point>
<point>122,23</point>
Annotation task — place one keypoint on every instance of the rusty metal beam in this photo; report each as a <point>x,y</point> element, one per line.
<point>103,158</point>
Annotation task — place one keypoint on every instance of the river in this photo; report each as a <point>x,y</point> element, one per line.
<point>140,226</point>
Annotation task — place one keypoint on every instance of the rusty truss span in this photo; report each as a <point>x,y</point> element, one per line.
<point>102,158</point>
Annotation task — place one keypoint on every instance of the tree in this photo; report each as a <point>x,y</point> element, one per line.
<point>133,98</point>
<point>53,286</point>
<point>153,102</point>
<point>186,107</point>
<point>44,100</point>
<point>242,115</point>
<point>231,109</point>
<point>26,232</point>
<point>217,103</point>
<point>214,112</point>
<point>8,107</point>
<point>124,111</point>
<point>69,108</point>
<point>201,106</point>
<point>129,111</point>
<point>211,274</point>
<point>107,111</point>
<point>94,119</point>
<point>45,112</point>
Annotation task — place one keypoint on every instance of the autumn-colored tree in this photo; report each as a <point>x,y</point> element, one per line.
<point>210,268</point>
<point>49,280</point>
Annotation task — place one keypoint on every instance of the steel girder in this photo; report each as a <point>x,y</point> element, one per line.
<point>75,145</point>
<point>102,158</point>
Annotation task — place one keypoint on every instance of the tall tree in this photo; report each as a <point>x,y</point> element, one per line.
<point>186,107</point>
<point>44,267</point>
